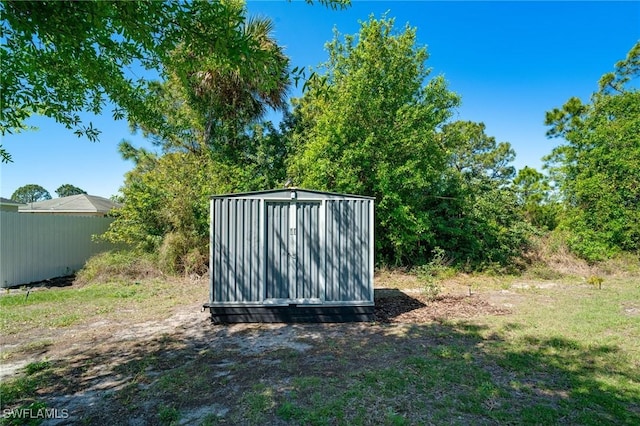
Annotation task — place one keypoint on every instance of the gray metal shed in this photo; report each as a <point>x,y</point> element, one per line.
<point>291,255</point>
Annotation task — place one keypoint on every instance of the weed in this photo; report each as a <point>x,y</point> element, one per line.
<point>595,281</point>
<point>16,389</point>
<point>66,320</point>
<point>395,419</point>
<point>307,382</point>
<point>431,290</point>
<point>288,411</point>
<point>174,381</point>
<point>623,265</point>
<point>549,256</point>
<point>36,375</point>
<point>439,267</point>
<point>37,366</point>
<point>568,354</point>
<point>64,307</point>
<point>136,367</point>
<point>127,395</point>
<point>541,271</point>
<point>168,415</point>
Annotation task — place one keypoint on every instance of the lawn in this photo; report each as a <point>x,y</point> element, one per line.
<point>515,351</point>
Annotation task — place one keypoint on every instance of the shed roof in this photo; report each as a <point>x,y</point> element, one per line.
<point>82,203</point>
<point>286,193</point>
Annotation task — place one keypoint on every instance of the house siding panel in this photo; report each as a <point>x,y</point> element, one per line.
<point>35,247</point>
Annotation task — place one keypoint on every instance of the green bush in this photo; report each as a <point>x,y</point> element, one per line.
<point>587,242</point>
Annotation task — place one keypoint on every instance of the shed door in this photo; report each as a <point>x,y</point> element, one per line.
<point>293,252</point>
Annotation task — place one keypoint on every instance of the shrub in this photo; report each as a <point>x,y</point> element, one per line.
<point>439,267</point>
<point>118,265</point>
<point>183,253</point>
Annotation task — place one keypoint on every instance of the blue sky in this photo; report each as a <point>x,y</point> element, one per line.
<point>510,61</point>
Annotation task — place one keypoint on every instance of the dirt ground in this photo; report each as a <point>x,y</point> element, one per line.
<point>102,366</point>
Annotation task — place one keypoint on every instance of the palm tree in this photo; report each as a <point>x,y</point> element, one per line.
<point>216,86</point>
<point>230,96</point>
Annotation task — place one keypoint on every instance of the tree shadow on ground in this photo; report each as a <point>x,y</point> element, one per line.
<point>63,281</point>
<point>391,303</point>
<point>353,373</point>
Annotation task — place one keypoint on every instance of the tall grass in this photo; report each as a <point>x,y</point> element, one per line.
<point>122,265</point>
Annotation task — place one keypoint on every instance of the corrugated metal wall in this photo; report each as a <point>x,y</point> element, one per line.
<point>308,277</point>
<point>236,267</point>
<point>307,251</point>
<point>35,247</point>
<point>292,253</point>
<point>347,250</point>
<point>277,257</point>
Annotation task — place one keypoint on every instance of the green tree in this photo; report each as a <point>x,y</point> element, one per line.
<point>267,153</point>
<point>62,57</point>
<point>368,125</point>
<point>211,142</point>
<point>374,124</point>
<point>166,197</point>
<point>165,207</point>
<point>67,190</point>
<point>597,167</point>
<point>479,223</point>
<point>476,155</point>
<point>205,104</point>
<point>30,194</point>
<point>535,196</point>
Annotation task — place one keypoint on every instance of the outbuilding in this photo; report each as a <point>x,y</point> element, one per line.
<point>291,255</point>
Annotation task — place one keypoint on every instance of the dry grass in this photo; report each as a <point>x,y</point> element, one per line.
<point>548,259</point>
<point>551,253</point>
<point>518,351</point>
<point>395,278</point>
<point>623,266</point>
<point>118,266</point>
